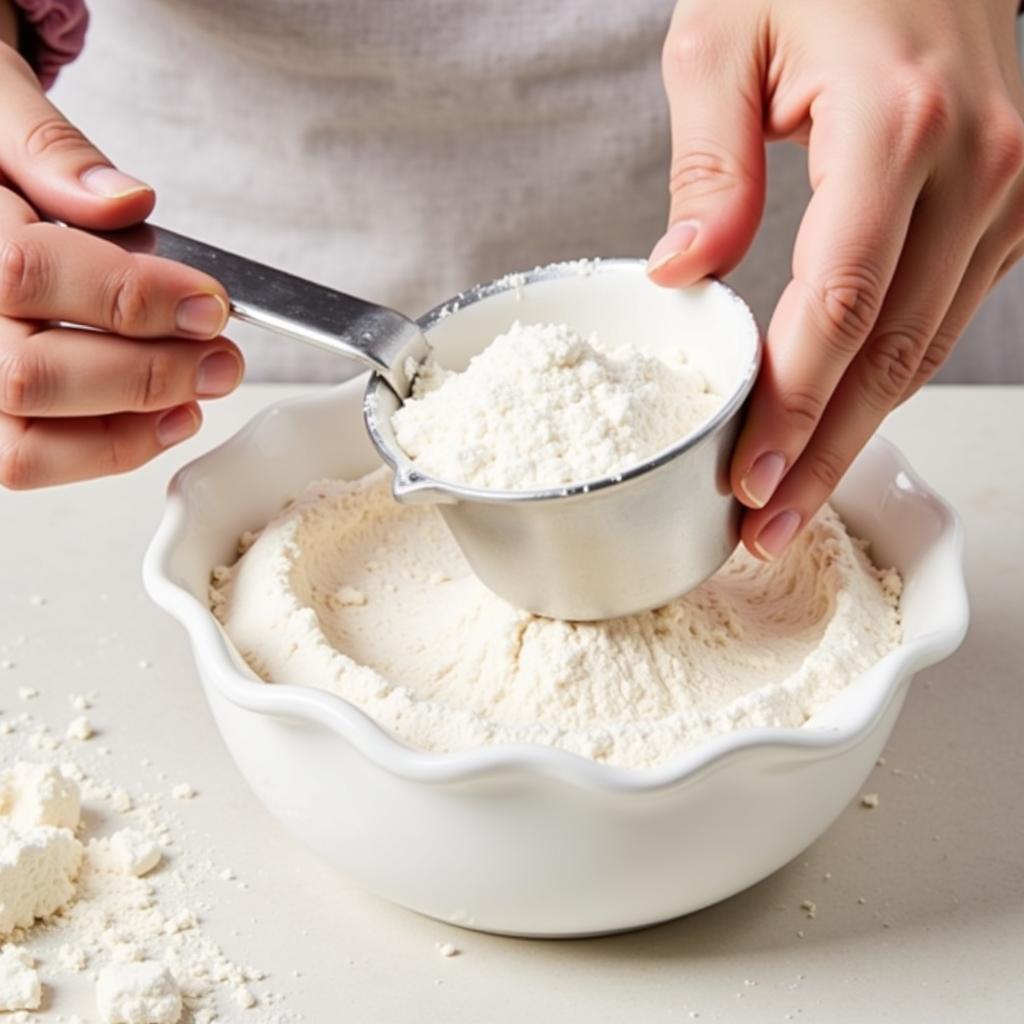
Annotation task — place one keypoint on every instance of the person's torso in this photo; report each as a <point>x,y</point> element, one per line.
<point>401,152</point>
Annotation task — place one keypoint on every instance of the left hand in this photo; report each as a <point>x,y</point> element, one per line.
<point>911,112</point>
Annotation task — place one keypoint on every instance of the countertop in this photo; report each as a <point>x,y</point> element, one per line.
<point>938,865</point>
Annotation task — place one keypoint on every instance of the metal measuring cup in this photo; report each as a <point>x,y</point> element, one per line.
<point>598,549</point>
<point>620,544</point>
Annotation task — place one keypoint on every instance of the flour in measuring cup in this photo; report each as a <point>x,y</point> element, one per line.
<point>544,407</point>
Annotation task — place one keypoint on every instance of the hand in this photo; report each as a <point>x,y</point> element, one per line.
<point>77,403</point>
<point>911,112</point>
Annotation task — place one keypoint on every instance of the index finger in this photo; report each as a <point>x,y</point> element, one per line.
<point>866,182</point>
<point>48,272</point>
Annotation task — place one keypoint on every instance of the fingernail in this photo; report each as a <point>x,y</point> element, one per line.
<point>201,315</point>
<point>763,477</point>
<point>176,425</point>
<point>218,374</point>
<point>111,183</point>
<point>774,538</point>
<point>672,245</point>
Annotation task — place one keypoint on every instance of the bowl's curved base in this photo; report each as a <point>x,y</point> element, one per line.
<point>539,858</point>
<point>534,845</point>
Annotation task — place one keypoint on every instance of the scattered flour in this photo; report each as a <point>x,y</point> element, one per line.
<point>757,645</point>
<point>75,909</point>
<point>244,997</point>
<point>128,852</point>
<point>79,728</point>
<point>542,407</point>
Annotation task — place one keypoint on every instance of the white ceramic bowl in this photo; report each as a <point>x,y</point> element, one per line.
<point>522,839</point>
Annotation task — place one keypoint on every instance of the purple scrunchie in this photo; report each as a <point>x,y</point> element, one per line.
<point>59,27</point>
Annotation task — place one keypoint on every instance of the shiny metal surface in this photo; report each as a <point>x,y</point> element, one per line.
<point>381,338</point>
<point>604,548</point>
<point>596,550</point>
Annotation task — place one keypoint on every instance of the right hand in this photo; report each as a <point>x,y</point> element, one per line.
<point>77,403</point>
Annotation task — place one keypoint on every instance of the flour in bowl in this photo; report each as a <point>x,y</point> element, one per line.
<point>543,407</point>
<point>442,664</point>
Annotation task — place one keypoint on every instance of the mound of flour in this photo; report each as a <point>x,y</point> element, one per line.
<point>349,591</point>
<point>543,407</point>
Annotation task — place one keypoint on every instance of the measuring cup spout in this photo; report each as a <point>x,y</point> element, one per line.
<point>412,488</point>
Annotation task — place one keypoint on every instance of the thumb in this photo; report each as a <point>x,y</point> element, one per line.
<point>54,166</point>
<point>717,181</point>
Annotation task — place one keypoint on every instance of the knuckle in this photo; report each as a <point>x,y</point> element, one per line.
<point>692,45</point>
<point>923,108</point>
<point>935,355</point>
<point>891,362</point>
<point>827,466</point>
<point>154,380</point>
<point>24,384</point>
<point>850,300</point>
<point>53,135</point>
<point>16,469</point>
<point>120,451</point>
<point>23,273</point>
<point>127,305</point>
<point>701,170</point>
<point>802,409</point>
<point>1003,148</point>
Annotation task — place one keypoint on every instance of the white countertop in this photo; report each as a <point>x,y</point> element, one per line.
<point>939,864</point>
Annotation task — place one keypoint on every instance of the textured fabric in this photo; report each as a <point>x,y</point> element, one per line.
<point>58,34</point>
<point>406,151</point>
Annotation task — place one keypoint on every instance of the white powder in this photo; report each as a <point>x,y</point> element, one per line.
<point>79,728</point>
<point>37,871</point>
<point>244,997</point>
<point>39,854</point>
<point>138,993</point>
<point>81,911</point>
<point>38,794</point>
<point>757,645</point>
<point>128,851</point>
<point>542,407</point>
<point>20,987</point>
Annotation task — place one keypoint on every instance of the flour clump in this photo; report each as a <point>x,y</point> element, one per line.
<point>20,987</point>
<point>39,854</point>
<point>138,993</point>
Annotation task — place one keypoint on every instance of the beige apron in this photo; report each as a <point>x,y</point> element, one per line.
<point>403,151</point>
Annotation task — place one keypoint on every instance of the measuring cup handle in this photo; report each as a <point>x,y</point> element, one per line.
<point>381,338</point>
